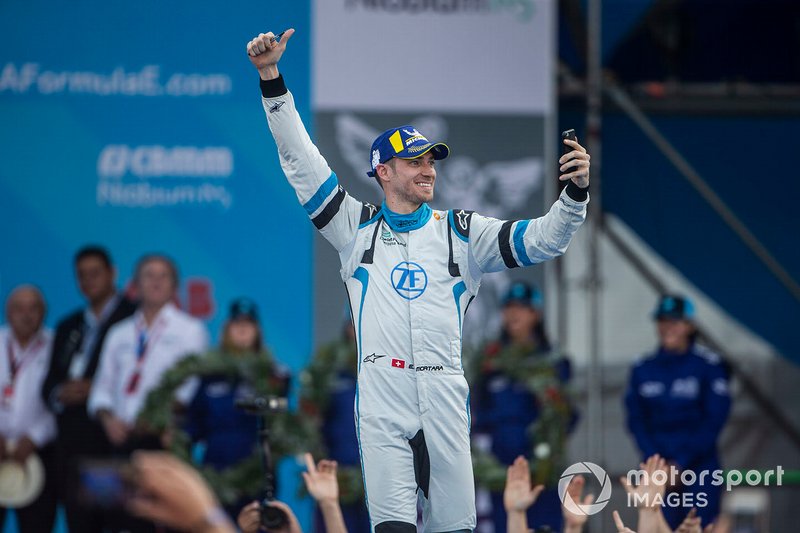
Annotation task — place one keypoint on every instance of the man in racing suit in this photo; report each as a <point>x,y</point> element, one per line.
<point>410,273</point>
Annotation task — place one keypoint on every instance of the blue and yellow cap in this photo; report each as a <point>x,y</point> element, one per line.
<point>674,307</point>
<point>404,142</point>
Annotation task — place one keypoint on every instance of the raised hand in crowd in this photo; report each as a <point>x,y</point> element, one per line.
<point>649,496</point>
<point>321,480</point>
<point>518,495</point>
<point>574,523</point>
<point>171,492</point>
<point>323,486</point>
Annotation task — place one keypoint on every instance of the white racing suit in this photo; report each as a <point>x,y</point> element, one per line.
<point>409,290</point>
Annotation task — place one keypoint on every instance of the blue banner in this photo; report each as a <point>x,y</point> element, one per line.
<point>139,126</point>
<point>740,159</point>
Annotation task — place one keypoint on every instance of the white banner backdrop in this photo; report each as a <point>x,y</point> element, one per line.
<point>477,74</point>
<point>475,56</point>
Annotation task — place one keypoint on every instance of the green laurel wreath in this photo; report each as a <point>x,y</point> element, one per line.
<point>316,384</point>
<point>547,434</point>
<point>290,433</point>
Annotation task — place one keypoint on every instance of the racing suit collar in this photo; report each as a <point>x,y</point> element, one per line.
<point>411,221</point>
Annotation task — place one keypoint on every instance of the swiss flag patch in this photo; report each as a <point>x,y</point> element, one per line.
<point>398,363</point>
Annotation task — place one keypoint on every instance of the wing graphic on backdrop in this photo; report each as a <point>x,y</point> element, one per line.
<point>514,182</point>
<point>496,189</point>
<point>354,139</point>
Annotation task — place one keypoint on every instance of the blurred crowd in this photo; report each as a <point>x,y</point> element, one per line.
<point>105,414</point>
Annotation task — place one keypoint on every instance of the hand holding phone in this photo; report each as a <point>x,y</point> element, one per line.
<point>574,161</point>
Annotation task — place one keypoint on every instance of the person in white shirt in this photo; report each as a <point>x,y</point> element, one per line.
<point>26,425</point>
<point>136,353</point>
<point>138,350</point>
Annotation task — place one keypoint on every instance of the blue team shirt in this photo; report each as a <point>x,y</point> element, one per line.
<point>677,405</point>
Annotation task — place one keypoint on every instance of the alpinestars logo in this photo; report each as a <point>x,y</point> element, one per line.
<point>462,219</point>
<point>276,106</point>
<point>373,357</point>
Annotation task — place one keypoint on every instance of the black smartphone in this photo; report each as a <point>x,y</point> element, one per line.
<point>106,484</point>
<point>568,134</point>
<point>565,148</point>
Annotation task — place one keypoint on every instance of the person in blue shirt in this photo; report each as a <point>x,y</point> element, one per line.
<point>228,432</point>
<point>519,400</point>
<point>677,403</point>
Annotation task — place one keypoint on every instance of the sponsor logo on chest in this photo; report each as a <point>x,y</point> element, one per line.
<point>390,240</point>
<point>409,280</point>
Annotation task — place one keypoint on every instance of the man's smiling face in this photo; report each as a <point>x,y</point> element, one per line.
<point>409,182</point>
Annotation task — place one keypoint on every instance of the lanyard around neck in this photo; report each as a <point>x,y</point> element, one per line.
<point>14,366</point>
<point>145,339</point>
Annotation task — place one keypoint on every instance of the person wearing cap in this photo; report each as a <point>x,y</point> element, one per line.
<point>73,363</point>
<point>410,273</point>
<point>677,403</point>
<point>27,428</point>
<point>520,402</point>
<point>229,433</point>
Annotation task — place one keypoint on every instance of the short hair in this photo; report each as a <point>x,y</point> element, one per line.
<point>391,163</point>
<point>93,250</point>
<point>149,258</point>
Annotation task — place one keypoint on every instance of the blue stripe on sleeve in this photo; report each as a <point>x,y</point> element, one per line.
<point>322,193</point>
<point>519,243</point>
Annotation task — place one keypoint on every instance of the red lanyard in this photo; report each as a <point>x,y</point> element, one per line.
<point>144,340</point>
<point>15,367</point>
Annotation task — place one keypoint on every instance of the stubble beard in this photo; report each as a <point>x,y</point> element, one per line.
<point>416,197</point>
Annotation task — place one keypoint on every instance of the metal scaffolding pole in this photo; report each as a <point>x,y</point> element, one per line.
<point>594,100</point>
<point>594,103</point>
